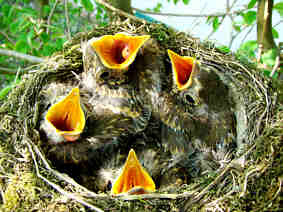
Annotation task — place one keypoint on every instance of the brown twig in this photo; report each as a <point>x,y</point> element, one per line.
<point>51,14</point>
<point>276,66</point>
<point>7,71</point>
<point>58,188</point>
<point>218,14</point>
<point>30,58</point>
<point>110,7</point>
<point>8,38</point>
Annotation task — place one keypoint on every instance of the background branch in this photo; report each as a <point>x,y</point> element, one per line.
<point>31,59</point>
<point>218,14</point>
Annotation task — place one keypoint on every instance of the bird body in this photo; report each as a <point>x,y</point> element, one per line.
<point>191,119</point>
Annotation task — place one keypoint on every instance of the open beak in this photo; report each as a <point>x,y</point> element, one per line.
<point>118,51</point>
<point>67,116</point>
<point>134,179</point>
<point>184,68</point>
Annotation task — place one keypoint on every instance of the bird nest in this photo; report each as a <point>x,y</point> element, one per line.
<point>252,180</point>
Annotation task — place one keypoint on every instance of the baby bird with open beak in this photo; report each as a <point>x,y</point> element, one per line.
<point>65,120</point>
<point>206,99</point>
<point>143,172</point>
<point>109,78</point>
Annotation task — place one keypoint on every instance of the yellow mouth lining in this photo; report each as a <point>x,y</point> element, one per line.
<point>133,176</point>
<point>183,69</point>
<point>118,51</point>
<point>67,116</point>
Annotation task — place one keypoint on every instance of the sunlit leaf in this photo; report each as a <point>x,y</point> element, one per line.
<point>215,24</point>
<point>269,57</point>
<point>14,26</point>
<point>251,4</point>
<point>249,17</point>
<point>208,20</point>
<point>248,48</point>
<point>46,10</point>
<point>22,46</point>
<point>30,36</point>
<point>175,1</point>
<point>224,49</point>
<point>44,37</point>
<point>87,5</point>
<point>157,7</point>
<point>5,9</point>
<point>237,27</point>
<point>186,1</point>
<point>279,8</point>
<point>275,33</point>
<point>4,91</point>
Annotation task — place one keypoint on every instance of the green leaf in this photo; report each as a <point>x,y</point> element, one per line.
<point>14,27</point>
<point>237,27</point>
<point>47,50</point>
<point>186,2</point>
<point>157,7</point>
<point>44,37</point>
<point>248,48</point>
<point>215,24</point>
<point>22,46</point>
<point>249,17</point>
<point>87,5</point>
<point>4,92</point>
<point>30,36</point>
<point>269,57</point>
<point>224,49</point>
<point>279,8</point>
<point>251,4</point>
<point>275,33</point>
<point>175,1</point>
<point>208,20</point>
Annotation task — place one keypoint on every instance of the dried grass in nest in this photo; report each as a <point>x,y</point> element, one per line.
<point>20,140</point>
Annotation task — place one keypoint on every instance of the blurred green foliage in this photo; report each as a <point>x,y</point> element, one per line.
<point>39,28</point>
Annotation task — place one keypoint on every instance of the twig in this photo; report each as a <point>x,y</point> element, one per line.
<point>260,50</point>
<point>110,7</point>
<point>8,38</point>
<point>248,32</point>
<point>279,22</point>
<point>213,31</point>
<point>67,20</point>
<point>217,14</point>
<point>58,188</point>
<point>22,56</point>
<point>276,66</point>
<point>51,14</point>
<point>8,71</point>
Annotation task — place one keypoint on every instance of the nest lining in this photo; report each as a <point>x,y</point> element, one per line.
<point>20,119</point>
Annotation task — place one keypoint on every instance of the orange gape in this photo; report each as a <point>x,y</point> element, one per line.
<point>133,177</point>
<point>183,68</point>
<point>118,51</point>
<point>67,116</point>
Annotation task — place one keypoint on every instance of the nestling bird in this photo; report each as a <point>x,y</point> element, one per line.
<point>65,120</point>
<point>205,97</point>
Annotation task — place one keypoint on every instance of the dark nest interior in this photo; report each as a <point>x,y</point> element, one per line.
<point>250,180</point>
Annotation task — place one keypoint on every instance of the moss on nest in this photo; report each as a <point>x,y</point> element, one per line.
<point>29,182</point>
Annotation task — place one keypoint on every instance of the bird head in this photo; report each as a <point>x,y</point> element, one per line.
<point>65,120</point>
<point>109,56</point>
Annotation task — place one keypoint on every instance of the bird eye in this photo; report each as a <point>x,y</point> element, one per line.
<point>104,75</point>
<point>109,185</point>
<point>189,99</point>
